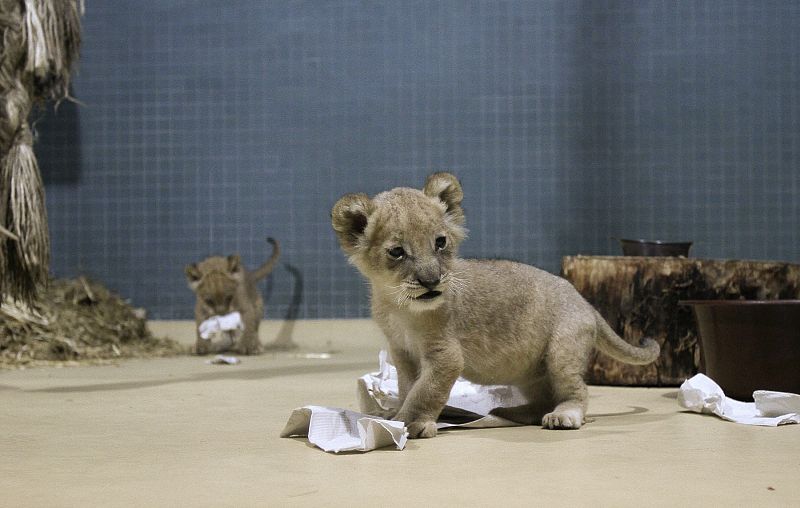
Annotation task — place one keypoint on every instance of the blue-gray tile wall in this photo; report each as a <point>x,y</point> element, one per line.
<point>206,126</point>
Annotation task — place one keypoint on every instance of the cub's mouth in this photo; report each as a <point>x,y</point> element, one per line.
<point>430,295</point>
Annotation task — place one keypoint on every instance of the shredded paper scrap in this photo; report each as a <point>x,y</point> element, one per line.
<point>338,430</point>
<point>217,324</point>
<point>769,409</point>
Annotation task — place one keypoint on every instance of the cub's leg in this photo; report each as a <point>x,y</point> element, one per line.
<point>439,368</point>
<point>568,414</point>
<point>407,371</point>
<point>248,343</point>
<point>566,362</point>
<point>201,346</point>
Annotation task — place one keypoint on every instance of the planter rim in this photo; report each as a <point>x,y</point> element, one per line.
<point>739,303</point>
<point>654,242</point>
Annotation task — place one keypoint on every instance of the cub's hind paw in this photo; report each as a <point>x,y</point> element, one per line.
<point>566,419</point>
<point>421,429</point>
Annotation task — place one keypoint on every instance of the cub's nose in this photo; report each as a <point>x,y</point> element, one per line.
<point>429,284</point>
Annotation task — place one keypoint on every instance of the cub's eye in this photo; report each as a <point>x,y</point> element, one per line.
<point>397,252</point>
<point>441,242</point>
<point>209,302</point>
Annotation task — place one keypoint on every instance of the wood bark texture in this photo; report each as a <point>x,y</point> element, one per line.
<point>639,297</point>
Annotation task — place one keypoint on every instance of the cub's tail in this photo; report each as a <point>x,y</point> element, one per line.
<point>265,269</point>
<point>611,344</point>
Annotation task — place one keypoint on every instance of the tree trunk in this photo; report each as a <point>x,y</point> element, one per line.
<point>639,297</point>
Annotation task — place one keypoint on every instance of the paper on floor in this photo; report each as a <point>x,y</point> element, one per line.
<point>468,406</point>
<point>335,429</point>
<point>702,395</point>
<point>224,360</point>
<point>215,324</point>
<point>341,430</point>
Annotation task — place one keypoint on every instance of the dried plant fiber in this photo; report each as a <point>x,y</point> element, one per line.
<point>39,42</point>
<point>76,321</point>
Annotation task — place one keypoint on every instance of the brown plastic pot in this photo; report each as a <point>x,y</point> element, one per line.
<point>749,345</point>
<point>654,248</point>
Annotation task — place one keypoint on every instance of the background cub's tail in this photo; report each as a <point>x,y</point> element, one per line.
<point>611,344</point>
<point>265,269</point>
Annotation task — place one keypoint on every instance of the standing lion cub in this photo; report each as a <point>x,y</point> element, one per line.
<point>492,322</point>
<point>222,286</point>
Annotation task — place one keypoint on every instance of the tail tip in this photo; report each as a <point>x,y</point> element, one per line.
<point>651,345</point>
<point>647,342</point>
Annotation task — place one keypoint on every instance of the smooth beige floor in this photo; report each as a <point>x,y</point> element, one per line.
<point>178,432</point>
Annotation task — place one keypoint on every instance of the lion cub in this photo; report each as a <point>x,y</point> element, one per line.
<point>493,322</point>
<point>223,286</point>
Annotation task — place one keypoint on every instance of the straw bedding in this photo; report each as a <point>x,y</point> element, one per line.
<point>76,321</point>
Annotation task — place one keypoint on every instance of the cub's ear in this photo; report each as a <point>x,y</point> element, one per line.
<point>446,188</point>
<point>193,274</point>
<point>234,263</point>
<point>349,219</point>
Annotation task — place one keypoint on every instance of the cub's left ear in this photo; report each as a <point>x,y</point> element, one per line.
<point>193,274</point>
<point>446,188</point>
<point>234,263</point>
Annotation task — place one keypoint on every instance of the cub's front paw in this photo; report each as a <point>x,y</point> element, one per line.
<point>201,348</point>
<point>421,429</point>
<point>248,349</point>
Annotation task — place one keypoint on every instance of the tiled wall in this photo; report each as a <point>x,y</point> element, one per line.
<point>207,126</point>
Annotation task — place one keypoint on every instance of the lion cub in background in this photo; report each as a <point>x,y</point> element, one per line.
<point>222,286</point>
<point>493,322</point>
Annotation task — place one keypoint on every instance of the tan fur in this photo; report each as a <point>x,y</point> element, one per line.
<point>222,286</point>
<point>495,322</point>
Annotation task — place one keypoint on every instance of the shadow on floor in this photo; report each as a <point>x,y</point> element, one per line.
<point>284,340</point>
<point>226,374</point>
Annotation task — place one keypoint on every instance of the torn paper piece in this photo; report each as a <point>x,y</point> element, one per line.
<point>216,324</point>
<point>770,409</point>
<point>469,403</point>
<point>378,391</point>
<point>223,360</point>
<point>314,356</point>
<point>338,430</point>
<point>776,403</point>
<point>341,430</point>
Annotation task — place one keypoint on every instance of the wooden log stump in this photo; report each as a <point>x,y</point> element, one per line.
<point>639,296</point>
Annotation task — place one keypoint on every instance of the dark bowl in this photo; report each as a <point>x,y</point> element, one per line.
<point>654,248</point>
<point>749,345</point>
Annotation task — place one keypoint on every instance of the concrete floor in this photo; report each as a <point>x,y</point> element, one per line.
<point>178,432</point>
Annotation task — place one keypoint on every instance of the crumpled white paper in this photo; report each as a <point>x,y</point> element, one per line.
<point>336,430</point>
<point>770,409</point>
<point>469,403</point>
<point>341,430</point>
<point>224,360</point>
<point>215,324</point>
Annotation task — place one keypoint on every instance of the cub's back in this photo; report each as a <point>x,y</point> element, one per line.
<point>510,295</point>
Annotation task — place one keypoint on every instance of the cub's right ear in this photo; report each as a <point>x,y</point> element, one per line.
<point>193,274</point>
<point>349,218</point>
